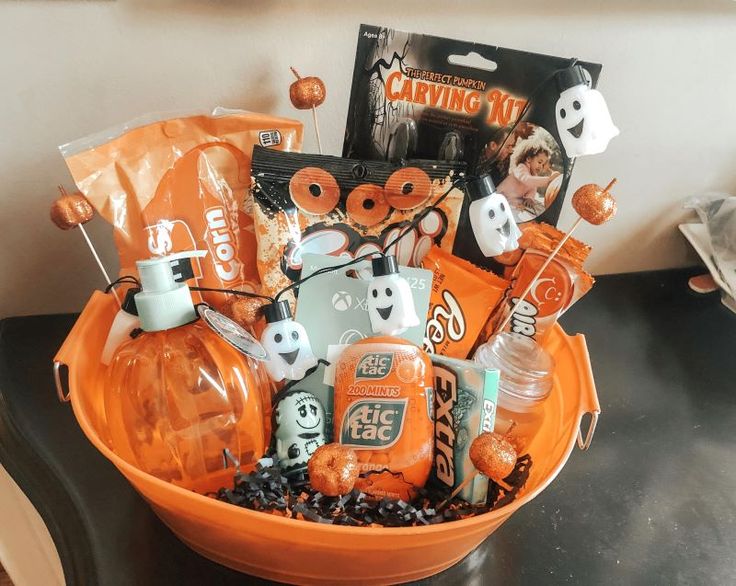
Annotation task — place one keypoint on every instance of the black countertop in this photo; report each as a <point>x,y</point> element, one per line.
<point>652,502</point>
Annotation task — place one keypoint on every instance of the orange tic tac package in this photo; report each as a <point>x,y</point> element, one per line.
<point>384,410</point>
<point>463,297</point>
<point>177,184</point>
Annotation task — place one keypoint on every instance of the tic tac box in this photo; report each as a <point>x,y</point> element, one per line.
<point>465,397</point>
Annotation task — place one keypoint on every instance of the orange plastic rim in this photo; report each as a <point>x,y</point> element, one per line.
<point>297,551</point>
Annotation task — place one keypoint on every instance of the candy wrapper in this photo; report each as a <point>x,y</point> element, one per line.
<point>463,297</point>
<point>430,97</point>
<point>561,284</point>
<point>177,184</point>
<point>339,207</point>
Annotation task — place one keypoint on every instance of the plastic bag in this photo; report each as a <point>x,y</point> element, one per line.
<point>717,212</point>
<point>170,184</point>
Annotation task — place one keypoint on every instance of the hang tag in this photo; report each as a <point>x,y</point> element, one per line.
<point>233,333</point>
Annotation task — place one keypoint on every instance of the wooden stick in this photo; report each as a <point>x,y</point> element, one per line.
<point>545,264</point>
<point>99,262</point>
<point>455,492</point>
<point>465,483</point>
<point>316,129</point>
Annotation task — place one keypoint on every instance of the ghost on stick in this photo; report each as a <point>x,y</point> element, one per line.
<point>290,354</point>
<point>491,218</point>
<point>584,123</point>
<point>390,303</point>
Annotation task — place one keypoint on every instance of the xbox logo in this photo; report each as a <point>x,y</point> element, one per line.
<point>342,301</point>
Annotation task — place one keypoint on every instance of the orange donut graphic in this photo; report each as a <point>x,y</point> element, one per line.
<point>408,188</point>
<point>314,191</point>
<point>366,205</point>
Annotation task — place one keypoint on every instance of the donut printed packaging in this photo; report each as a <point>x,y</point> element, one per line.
<point>384,410</point>
<point>180,184</point>
<point>465,399</point>
<point>345,208</point>
<point>463,298</point>
<point>429,97</point>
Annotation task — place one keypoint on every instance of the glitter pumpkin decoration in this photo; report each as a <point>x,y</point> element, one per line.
<point>306,92</point>
<point>333,469</point>
<point>594,204</point>
<point>71,210</point>
<point>493,455</point>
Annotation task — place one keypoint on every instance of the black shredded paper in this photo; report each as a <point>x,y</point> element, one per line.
<point>266,489</point>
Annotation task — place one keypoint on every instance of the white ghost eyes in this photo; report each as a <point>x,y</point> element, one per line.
<point>492,212</point>
<point>388,292</point>
<point>576,105</point>
<point>278,337</point>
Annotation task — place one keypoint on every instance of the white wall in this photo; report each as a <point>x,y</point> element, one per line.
<point>69,68</point>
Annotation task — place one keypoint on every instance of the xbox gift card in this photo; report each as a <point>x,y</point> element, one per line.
<point>332,307</point>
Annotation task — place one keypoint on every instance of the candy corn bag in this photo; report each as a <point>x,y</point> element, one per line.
<point>463,297</point>
<point>177,184</point>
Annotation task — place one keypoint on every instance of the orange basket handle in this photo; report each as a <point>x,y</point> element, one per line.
<point>589,404</point>
<point>98,305</point>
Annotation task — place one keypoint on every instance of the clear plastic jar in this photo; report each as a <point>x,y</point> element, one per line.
<point>526,371</point>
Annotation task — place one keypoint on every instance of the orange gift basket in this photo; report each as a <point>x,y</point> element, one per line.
<point>289,550</point>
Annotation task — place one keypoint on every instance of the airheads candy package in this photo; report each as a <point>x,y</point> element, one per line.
<point>340,207</point>
<point>181,183</point>
<point>465,398</point>
<point>448,99</point>
<point>560,285</point>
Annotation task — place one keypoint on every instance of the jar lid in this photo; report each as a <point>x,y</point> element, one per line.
<point>526,369</point>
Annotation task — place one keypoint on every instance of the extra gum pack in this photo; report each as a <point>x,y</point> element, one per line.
<point>465,398</point>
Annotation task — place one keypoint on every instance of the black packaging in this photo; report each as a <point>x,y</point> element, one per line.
<point>428,97</point>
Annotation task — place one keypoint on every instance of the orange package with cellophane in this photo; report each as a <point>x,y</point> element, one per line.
<point>463,297</point>
<point>177,184</point>
<point>561,284</point>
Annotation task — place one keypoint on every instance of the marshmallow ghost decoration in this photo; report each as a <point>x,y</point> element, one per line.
<point>583,121</point>
<point>390,303</point>
<point>286,341</point>
<point>298,423</point>
<point>491,218</point>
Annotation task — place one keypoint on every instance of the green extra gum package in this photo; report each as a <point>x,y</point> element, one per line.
<point>465,406</point>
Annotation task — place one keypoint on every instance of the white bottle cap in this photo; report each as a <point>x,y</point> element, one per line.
<point>163,303</point>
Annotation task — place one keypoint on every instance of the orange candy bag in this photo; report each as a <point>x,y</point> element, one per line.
<point>181,184</point>
<point>463,297</point>
<point>561,284</point>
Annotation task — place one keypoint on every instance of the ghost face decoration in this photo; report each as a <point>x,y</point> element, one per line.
<point>583,121</point>
<point>289,352</point>
<point>390,305</point>
<point>298,429</point>
<point>493,225</point>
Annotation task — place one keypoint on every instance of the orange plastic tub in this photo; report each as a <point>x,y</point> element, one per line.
<point>301,552</point>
